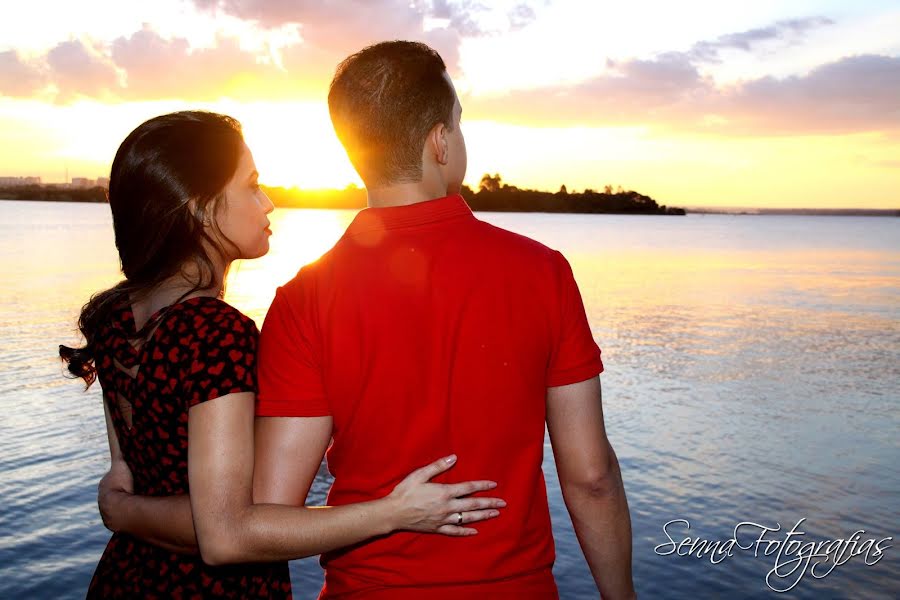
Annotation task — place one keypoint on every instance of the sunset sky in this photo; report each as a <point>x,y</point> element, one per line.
<point>696,103</point>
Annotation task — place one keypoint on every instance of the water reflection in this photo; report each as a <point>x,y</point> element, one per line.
<point>752,369</point>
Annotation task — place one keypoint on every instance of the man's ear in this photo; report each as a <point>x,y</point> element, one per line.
<point>437,144</point>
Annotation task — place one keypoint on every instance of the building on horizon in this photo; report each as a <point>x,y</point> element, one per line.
<point>81,182</point>
<point>19,181</point>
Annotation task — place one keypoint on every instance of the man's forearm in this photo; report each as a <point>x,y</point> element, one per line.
<point>163,521</point>
<point>602,523</point>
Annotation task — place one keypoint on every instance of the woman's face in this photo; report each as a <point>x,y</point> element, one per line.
<point>242,215</point>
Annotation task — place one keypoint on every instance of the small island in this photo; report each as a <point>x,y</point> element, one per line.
<point>493,195</point>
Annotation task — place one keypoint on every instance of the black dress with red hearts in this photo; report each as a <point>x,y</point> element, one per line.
<point>202,349</point>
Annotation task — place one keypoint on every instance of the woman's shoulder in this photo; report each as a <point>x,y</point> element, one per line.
<point>216,346</point>
<point>207,318</point>
<point>214,310</point>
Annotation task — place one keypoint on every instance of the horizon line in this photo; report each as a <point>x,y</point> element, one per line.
<point>695,207</point>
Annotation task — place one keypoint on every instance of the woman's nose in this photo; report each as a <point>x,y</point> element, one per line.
<point>268,206</point>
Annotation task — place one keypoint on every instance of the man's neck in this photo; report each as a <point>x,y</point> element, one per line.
<point>403,194</point>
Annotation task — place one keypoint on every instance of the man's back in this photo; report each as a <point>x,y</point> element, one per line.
<point>426,332</point>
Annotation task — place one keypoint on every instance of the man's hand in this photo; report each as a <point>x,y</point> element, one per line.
<point>116,485</point>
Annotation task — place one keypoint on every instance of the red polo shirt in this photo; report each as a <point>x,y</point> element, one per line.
<point>424,332</point>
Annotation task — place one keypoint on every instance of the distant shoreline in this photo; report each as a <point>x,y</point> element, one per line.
<point>502,200</point>
<point>492,196</point>
<point>821,212</point>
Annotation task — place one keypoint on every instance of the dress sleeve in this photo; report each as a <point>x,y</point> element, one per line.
<point>575,356</point>
<point>290,365</point>
<point>220,355</point>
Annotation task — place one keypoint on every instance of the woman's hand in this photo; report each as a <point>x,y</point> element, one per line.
<point>115,485</point>
<point>418,505</point>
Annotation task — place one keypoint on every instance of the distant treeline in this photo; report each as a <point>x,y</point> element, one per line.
<point>492,195</point>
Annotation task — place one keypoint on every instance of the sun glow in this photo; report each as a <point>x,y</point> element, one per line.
<point>293,144</point>
<point>300,236</point>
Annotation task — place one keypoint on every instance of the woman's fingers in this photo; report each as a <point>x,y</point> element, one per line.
<point>472,516</point>
<point>456,530</point>
<point>456,490</point>
<point>468,504</point>
<point>432,470</point>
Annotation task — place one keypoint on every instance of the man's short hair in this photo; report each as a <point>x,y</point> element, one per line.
<point>383,102</point>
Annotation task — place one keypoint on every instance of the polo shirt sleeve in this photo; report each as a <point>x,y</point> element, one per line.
<point>575,356</point>
<point>289,365</point>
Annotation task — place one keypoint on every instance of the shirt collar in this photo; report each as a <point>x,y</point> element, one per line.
<point>410,215</point>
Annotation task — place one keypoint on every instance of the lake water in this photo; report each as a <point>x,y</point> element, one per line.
<point>752,374</point>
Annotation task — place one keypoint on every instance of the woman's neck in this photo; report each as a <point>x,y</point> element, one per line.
<point>177,288</point>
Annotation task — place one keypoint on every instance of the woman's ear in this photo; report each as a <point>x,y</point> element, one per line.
<point>202,216</point>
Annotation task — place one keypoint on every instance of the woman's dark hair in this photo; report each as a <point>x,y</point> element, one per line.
<point>383,102</point>
<point>165,184</point>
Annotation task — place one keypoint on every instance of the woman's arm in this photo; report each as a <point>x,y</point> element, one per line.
<point>231,529</point>
<point>164,521</point>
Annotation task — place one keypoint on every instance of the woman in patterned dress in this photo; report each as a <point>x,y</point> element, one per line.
<point>177,368</point>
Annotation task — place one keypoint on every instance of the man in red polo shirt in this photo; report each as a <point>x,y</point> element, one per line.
<point>424,332</point>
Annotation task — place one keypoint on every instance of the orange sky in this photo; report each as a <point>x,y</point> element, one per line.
<point>766,106</point>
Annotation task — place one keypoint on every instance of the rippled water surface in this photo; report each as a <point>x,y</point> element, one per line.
<point>752,374</point>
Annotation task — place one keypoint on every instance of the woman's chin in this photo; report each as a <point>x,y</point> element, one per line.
<point>257,253</point>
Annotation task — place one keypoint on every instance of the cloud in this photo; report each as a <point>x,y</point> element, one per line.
<point>167,68</point>
<point>77,69</point>
<point>471,18</point>
<point>854,94</point>
<point>521,16</point>
<point>331,25</point>
<point>145,65</point>
<point>629,93</point>
<point>332,31</point>
<point>857,93</point>
<point>788,31</point>
<point>460,16</point>
<point>18,78</point>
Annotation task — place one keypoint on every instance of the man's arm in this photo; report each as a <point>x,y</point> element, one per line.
<point>163,521</point>
<point>592,484</point>
<point>288,453</point>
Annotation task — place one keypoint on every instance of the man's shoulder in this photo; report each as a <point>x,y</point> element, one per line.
<point>513,244</point>
<point>483,237</point>
<point>309,273</point>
